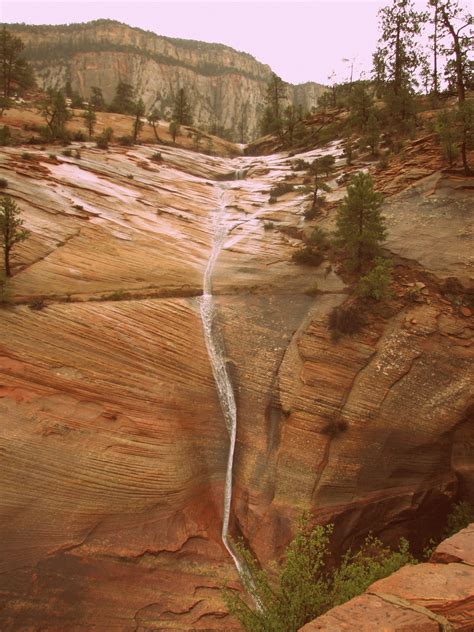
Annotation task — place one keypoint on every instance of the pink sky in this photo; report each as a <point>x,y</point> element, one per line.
<point>301,41</point>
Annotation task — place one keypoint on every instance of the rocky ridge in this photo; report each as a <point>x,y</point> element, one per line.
<point>226,87</point>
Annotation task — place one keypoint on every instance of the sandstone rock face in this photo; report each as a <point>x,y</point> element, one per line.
<point>434,596</point>
<point>113,447</point>
<point>226,87</point>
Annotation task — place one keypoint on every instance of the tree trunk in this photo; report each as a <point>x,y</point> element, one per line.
<point>458,58</point>
<point>6,258</point>
<point>397,77</point>
<point>158,139</point>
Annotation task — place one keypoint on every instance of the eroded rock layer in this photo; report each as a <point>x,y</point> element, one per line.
<point>113,446</point>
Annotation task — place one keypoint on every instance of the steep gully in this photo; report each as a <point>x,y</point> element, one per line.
<point>216,349</point>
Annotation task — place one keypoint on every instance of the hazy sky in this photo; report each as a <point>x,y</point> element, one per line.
<point>301,41</point>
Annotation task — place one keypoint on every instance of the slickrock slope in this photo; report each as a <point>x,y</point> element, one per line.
<point>435,596</point>
<point>226,87</point>
<point>113,447</point>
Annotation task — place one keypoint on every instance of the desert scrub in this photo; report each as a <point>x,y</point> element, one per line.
<point>281,188</point>
<point>305,584</point>
<point>308,256</point>
<point>345,319</point>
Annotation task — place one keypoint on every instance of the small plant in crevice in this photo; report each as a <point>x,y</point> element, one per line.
<point>335,426</point>
<point>268,225</point>
<point>345,320</point>
<point>37,304</point>
<point>376,283</point>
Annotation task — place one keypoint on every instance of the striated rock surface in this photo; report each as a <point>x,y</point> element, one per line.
<point>113,447</point>
<point>425,597</point>
<point>226,87</point>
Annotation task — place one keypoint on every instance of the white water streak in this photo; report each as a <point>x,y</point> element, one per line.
<point>215,348</point>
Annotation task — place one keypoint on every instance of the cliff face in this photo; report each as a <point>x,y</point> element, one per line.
<point>226,87</point>
<point>113,446</point>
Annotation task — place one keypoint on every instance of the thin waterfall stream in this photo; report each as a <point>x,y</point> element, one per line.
<point>216,351</point>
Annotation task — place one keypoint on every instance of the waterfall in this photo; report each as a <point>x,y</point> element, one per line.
<point>215,348</point>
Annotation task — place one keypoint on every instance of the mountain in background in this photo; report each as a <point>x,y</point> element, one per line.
<point>226,87</point>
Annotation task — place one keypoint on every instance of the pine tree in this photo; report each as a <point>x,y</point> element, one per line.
<point>139,112</point>
<point>182,110</point>
<point>124,99</point>
<point>90,119</point>
<point>454,19</point>
<point>360,226</point>
<point>445,127</point>
<point>399,55</point>
<point>11,229</point>
<point>97,99</point>
<point>275,94</point>
<point>153,119</point>
<point>15,72</point>
<point>55,112</point>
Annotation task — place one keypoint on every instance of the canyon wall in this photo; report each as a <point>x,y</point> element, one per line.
<point>226,87</point>
<point>113,446</point>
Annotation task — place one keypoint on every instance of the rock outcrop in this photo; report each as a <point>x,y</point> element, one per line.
<point>226,87</point>
<point>435,596</point>
<point>112,444</point>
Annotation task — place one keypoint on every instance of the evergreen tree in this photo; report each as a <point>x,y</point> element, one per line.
<point>55,112</point>
<point>15,72</point>
<point>445,127</point>
<point>399,55</point>
<point>124,99</point>
<point>97,99</point>
<point>360,226</point>
<point>273,115</point>
<point>139,112</point>
<point>454,20</point>
<point>90,119</point>
<point>174,130</point>
<point>11,229</point>
<point>153,119</point>
<point>372,132</point>
<point>182,111</point>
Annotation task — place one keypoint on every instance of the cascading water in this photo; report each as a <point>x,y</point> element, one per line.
<point>215,348</point>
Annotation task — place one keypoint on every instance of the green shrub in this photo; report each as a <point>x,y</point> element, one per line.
<point>308,256</point>
<point>281,188</point>
<point>347,319</point>
<point>102,142</point>
<point>157,157</point>
<point>126,141</point>
<point>459,518</point>
<point>376,283</point>
<point>300,165</point>
<point>3,183</point>
<point>67,153</point>
<point>306,585</point>
<point>26,156</point>
<point>319,238</point>
<point>79,137</point>
<point>5,136</point>
<point>268,225</point>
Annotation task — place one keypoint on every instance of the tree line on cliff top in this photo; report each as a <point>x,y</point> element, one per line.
<point>402,70</point>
